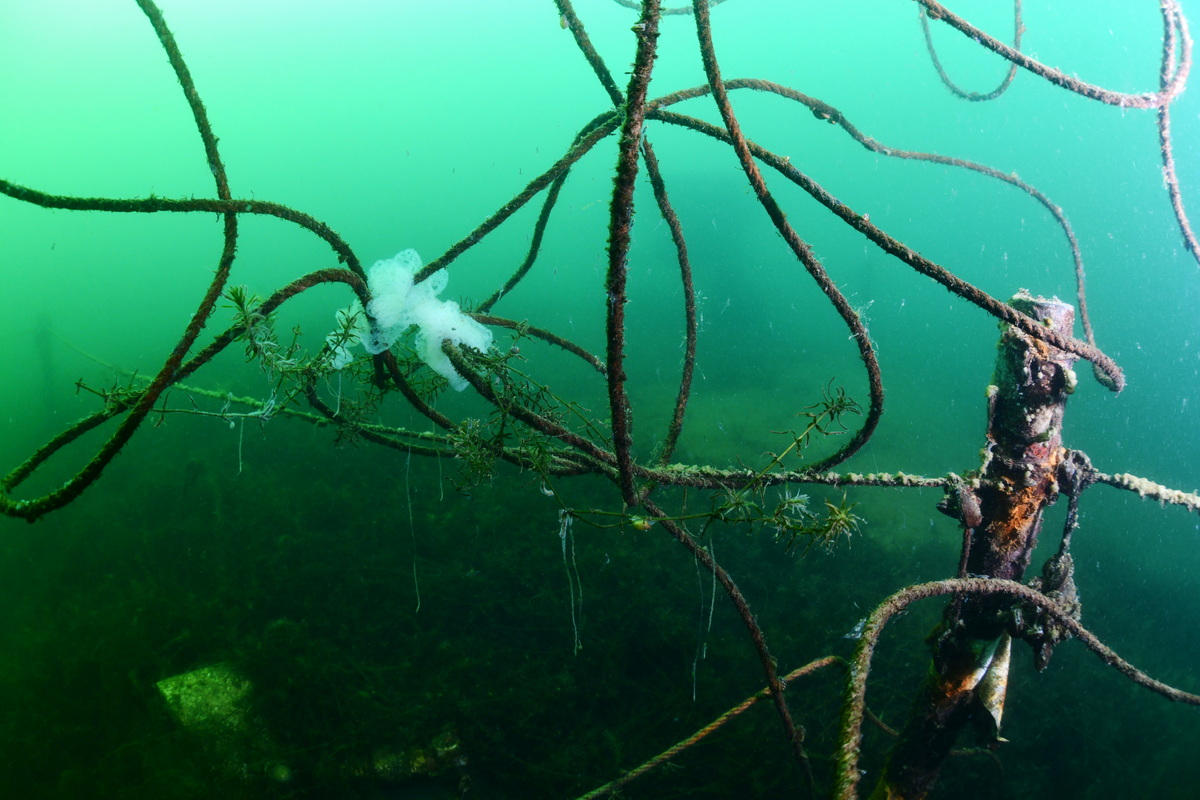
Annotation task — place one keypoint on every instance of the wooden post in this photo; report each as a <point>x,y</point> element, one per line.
<point>1001,512</point>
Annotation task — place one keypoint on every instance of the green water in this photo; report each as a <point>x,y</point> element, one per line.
<point>373,602</point>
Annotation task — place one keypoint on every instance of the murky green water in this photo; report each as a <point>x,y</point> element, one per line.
<point>379,605</point>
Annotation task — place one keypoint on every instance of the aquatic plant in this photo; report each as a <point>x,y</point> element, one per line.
<point>529,422</point>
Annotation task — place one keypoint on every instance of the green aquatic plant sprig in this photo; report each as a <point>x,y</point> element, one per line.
<point>118,397</point>
<point>291,367</point>
<point>822,416</point>
<point>256,330</point>
<point>516,399</point>
<point>476,449</point>
<point>792,518</point>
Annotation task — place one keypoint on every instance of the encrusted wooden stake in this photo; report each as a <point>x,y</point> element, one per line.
<point>1001,511</point>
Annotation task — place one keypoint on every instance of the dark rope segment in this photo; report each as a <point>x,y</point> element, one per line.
<point>597,129</point>
<point>391,372</point>
<point>774,685</point>
<point>32,509</point>
<point>1168,68</point>
<point>733,480</point>
<point>153,205</point>
<point>119,403</point>
<point>217,168</point>
<point>546,336</point>
<point>850,738</point>
<point>534,420</point>
<point>832,114</point>
<point>733,135</point>
<point>674,10</point>
<point>689,301</point>
<point>143,404</point>
<point>824,111</point>
<point>620,223</point>
<point>331,416</point>
<point>199,113</point>
<point>861,222</point>
<point>802,251</point>
<point>1146,488</point>
<point>539,228</point>
<point>268,307</point>
<point>535,245</point>
<point>1167,93</point>
<point>571,22</point>
<point>1018,29</point>
<point>731,714</point>
<point>385,438</point>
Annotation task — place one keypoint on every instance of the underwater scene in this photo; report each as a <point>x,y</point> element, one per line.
<point>597,398</point>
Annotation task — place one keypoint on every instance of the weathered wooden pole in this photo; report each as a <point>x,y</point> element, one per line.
<point>1001,512</point>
